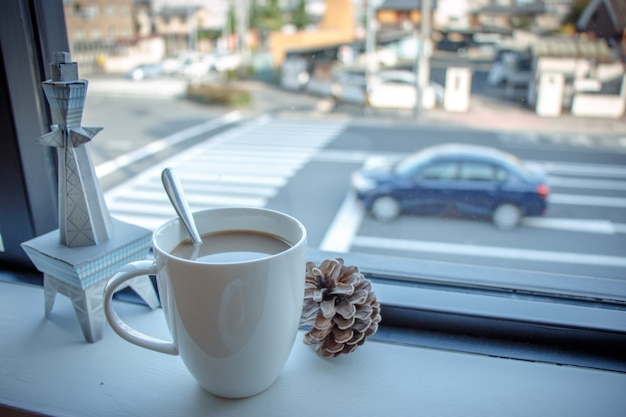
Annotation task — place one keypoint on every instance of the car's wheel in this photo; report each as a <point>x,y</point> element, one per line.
<point>386,208</point>
<point>507,216</point>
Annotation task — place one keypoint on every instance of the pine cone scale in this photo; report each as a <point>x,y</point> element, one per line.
<point>341,307</point>
<point>342,336</point>
<point>345,309</point>
<point>322,322</point>
<point>344,323</point>
<point>327,308</point>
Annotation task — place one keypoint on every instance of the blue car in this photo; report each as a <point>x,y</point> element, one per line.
<point>468,180</point>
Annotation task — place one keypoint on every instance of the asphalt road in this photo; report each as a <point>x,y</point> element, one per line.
<point>301,165</point>
<point>138,131</point>
<point>583,233</point>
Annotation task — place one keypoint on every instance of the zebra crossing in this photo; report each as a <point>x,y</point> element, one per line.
<point>244,166</point>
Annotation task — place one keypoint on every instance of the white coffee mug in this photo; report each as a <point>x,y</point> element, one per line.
<point>232,323</point>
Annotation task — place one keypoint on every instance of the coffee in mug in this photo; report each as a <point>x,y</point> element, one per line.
<point>233,308</point>
<point>232,246</point>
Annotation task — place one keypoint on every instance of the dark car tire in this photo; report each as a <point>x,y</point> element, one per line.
<point>385,208</point>
<point>507,216</point>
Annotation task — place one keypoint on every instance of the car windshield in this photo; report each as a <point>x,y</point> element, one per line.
<point>407,166</point>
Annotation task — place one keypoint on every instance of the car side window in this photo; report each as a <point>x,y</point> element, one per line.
<point>439,171</point>
<point>501,175</point>
<point>477,171</point>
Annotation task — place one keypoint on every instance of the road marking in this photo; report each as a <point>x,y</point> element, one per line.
<point>122,161</point>
<point>157,202</point>
<point>204,186</point>
<point>569,182</point>
<point>593,170</point>
<point>343,230</point>
<point>344,227</point>
<point>575,225</point>
<point>224,170</point>
<point>587,200</point>
<point>489,251</point>
<point>356,156</point>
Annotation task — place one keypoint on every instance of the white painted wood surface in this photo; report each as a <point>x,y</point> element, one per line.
<point>47,367</point>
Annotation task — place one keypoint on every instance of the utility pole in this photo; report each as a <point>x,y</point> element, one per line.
<point>192,24</point>
<point>422,67</point>
<point>242,12</point>
<point>371,65</point>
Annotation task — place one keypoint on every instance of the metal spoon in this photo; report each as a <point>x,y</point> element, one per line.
<point>174,191</point>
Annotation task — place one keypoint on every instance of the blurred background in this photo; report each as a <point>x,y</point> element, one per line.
<point>253,100</point>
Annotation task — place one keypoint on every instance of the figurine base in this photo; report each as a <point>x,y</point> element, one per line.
<point>80,273</point>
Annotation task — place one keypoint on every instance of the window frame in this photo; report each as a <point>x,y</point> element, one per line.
<point>30,31</point>
<point>536,316</point>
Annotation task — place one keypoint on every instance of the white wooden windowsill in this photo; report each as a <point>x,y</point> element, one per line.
<point>47,367</point>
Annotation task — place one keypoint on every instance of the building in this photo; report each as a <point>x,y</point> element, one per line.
<point>400,14</point>
<point>96,22</point>
<point>605,19</point>
<point>576,74</point>
<point>179,26</point>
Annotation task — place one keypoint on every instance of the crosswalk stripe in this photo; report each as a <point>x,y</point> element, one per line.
<point>203,186</point>
<point>587,200</point>
<point>261,159</point>
<point>264,168</point>
<point>569,182</point>
<point>575,225</point>
<point>580,169</point>
<point>159,145</point>
<point>244,166</point>
<point>198,199</point>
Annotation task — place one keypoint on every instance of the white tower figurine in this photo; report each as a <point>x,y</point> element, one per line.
<point>90,245</point>
<point>84,219</point>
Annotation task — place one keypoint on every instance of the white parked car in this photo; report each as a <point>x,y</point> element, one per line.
<point>387,89</point>
<point>197,68</point>
<point>226,61</point>
<point>176,64</point>
<point>144,71</point>
<point>396,89</point>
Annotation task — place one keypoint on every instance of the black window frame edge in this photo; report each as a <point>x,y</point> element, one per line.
<point>30,32</point>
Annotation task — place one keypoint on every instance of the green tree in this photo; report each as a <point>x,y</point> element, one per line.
<point>256,15</point>
<point>299,17</point>
<point>569,23</point>
<point>577,8</point>
<point>232,20</point>
<point>266,17</point>
<point>273,18</point>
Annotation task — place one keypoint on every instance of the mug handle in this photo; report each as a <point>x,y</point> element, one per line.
<point>132,270</point>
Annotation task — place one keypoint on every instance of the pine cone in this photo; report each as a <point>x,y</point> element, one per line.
<point>340,305</point>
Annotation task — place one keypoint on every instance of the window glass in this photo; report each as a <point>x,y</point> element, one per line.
<point>501,175</point>
<point>564,174</point>
<point>476,171</point>
<point>251,115</point>
<point>439,171</point>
